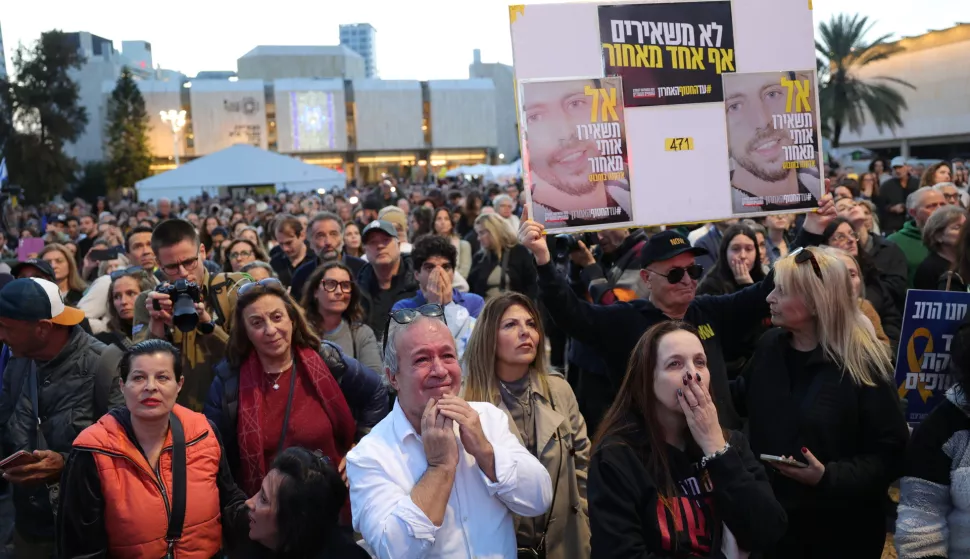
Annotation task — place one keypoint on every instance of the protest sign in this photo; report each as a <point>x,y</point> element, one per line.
<point>577,156</point>
<point>772,139</point>
<point>930,320</point>
<point>674,62</point>
<point>668,54</point>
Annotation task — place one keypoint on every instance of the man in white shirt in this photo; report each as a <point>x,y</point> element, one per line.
<point>439,477</point>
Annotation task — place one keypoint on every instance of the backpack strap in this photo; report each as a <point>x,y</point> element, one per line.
<point>177,518</point>
<point>215,292</point>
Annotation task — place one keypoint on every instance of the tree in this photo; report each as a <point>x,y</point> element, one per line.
<point>93,181</point>
<point>129,157</point>
<point>40,114</point>
<point>844,98</point>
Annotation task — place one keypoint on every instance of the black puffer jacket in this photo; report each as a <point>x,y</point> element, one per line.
<point>73,391</point>
<point>364,390</point>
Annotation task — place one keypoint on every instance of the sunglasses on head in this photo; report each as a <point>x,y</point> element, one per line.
<point>270,284</point>
<point>802,256</point>
<point>674,275</point>
<point>131,271</point>
<point>407,316</point>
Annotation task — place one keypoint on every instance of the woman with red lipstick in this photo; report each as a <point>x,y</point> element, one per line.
<point>276,391</point>
<point>141,467</point>
<point>505,365</point>
<point>819,389</point>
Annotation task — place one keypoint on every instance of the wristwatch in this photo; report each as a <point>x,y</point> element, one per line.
<point>206,328</point>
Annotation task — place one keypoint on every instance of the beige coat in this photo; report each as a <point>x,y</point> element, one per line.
<point>568,536</point>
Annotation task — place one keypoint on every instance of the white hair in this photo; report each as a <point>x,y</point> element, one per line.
<point>501,199</point>
<point>391,363</point>
<point>916,197</point>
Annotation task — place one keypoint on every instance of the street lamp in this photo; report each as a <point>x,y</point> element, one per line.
<point>177,120</point>
<point>501,157</point>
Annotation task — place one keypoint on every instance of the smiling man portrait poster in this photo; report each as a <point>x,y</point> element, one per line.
<point>576,147</point>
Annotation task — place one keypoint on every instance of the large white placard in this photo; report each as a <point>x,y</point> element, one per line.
<point>719,103</point>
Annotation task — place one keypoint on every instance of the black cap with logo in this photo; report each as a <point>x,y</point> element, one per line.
<point>666,245</point>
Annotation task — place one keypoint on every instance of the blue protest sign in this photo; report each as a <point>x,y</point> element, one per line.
<point>930,320</point>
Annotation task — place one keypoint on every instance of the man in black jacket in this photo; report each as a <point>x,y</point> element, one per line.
<point>388,275</point>
<point>327,240</point>
<point>59,381</point>
<point>667,266</point>
<point>294,250</point>
<point>892,197</point>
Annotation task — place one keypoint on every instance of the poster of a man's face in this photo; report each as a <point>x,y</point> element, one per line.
<point>576,152</point>
<point>772,140</point>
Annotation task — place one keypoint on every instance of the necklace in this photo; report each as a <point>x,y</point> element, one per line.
<point>276,381</point>
<point>525,402</point>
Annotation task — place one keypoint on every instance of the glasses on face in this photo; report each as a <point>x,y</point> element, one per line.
<point>133,270</point>
<point>675,275</point>
<point>240,254</point>
<point>407,316</point>
<point>802,256</point>
<point>845,237</point>
<point>270,284</point>
<point>189,264</point>
<point>330,285</point>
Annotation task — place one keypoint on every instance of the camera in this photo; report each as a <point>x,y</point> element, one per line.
<point>565,244</point>
<point>184,294</point>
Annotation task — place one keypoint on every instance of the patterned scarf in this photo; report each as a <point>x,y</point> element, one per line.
<point>310,366</point>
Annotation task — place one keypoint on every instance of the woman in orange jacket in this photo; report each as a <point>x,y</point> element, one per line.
<point>124,488</point>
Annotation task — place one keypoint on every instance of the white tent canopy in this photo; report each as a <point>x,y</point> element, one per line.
<point>490,173</point>
<point>239,166</point>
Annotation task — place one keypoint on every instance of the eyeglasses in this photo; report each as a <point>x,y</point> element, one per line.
<point>331,285</point>
<point>674,275</point>
<point>407,316</point>
<point>240,254</point>
<point>803,255</point>
<point>189,264</point>
<point>270,284</point>
<point>845,237</point>
<point>133,270</point>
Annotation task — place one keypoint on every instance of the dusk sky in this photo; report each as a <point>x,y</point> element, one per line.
<point>419,39</point>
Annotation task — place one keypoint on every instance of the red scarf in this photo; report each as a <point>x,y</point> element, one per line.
<point>249,432</point>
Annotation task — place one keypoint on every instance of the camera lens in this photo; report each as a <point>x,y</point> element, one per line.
<point>184,316</point>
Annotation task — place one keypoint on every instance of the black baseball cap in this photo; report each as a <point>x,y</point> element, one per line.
<point>666,245</point>
<point>41,265</point>
<point>36,299</point>
<point>385,227</point>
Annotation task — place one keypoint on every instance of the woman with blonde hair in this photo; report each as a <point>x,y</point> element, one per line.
<point>505,365</point>
<point>819,390</point>
<point>66,276</point>
<point>501,264</point>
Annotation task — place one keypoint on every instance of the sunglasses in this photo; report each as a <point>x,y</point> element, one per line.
<point>802,256</point>
<point>133,270</point>
<point>674,275</point>
<point>407,316</point>
<point>271,284</point>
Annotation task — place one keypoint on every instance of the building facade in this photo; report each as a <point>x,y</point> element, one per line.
<point>361,127</point>
<point>362,39</point>
<point>937,120</point>
<point>507,124</point>
<point>272,62</point>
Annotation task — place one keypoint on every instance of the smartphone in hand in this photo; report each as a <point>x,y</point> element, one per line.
<point>782,460</point>
<point>19,458</point>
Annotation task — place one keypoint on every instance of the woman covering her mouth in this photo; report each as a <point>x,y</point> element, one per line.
<point>143,462</point>
<point>505,362</point>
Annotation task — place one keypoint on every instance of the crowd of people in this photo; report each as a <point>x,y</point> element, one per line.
<point>421,371</point>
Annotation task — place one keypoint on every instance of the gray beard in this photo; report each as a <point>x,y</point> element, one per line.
<point>762,174</point>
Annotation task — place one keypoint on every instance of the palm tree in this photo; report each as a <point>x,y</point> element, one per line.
<point>844,98</point>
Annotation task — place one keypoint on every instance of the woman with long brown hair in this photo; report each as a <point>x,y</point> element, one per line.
<point>65,272</point>
<point>665,479</point>
<point>505,365</point>
<point>276,391</point>
<point>332,302</point>
<point>935,174</point>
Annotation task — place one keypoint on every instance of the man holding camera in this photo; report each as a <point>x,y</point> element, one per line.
<point>191,308</point>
